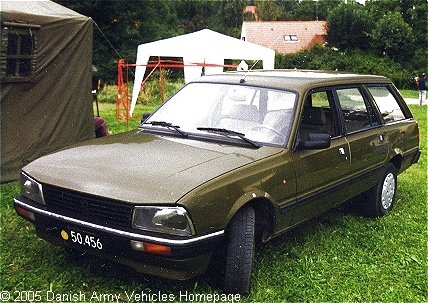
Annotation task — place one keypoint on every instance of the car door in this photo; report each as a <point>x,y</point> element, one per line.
<point>364,133</point>
<point>320,173</point>
<point>399,129</point>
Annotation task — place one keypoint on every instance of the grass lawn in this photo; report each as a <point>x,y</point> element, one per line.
<point>410,93</point>
<point>340,256</point>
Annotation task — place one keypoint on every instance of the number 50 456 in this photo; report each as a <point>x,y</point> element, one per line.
<point>86,240</point>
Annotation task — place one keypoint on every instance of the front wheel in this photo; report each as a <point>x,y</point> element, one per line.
<point>240,251</point>
<point>382,197</point>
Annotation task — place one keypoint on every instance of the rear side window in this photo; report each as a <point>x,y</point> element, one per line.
<point>356,114</point>
<point>387,104</point>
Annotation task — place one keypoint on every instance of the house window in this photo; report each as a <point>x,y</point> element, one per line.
<point>17,51</point>
<point>290,38</point>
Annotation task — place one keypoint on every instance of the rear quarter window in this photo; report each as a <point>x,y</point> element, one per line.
<point>387,104</point>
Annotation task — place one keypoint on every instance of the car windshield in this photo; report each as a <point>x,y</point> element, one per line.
<point>256,115</point>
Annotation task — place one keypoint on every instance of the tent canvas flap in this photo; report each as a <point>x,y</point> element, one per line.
<point>51,108</point>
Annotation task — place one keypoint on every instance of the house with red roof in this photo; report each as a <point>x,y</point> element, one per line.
<point>285,37</point>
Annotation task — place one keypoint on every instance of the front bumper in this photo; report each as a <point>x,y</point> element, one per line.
<point>186,258</point>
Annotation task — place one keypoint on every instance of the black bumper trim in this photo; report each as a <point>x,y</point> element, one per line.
<point>416,156</point>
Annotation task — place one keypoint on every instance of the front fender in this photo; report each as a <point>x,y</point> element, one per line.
<point>213,204</point>
<point>245,199</point>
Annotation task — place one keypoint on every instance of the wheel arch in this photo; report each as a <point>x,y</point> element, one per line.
<point>265,214</point>
<point>397,159</point>
<point>265,218</point>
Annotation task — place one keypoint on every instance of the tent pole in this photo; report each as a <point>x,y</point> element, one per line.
<point>127,99</point>
<point>161,80</point>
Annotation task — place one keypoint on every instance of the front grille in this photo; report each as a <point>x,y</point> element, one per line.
<point>87,207</point>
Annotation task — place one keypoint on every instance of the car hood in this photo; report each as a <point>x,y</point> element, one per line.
<point>141,168</point>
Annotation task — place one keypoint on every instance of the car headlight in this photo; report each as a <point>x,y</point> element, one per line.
<point>170,220</point>
<point>31,189</point>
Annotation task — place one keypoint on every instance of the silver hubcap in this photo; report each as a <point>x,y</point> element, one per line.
<point>388,190</point>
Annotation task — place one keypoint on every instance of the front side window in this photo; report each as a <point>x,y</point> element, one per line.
<point>387,104</point>
<point>18,48</point>
<point>318,116</point>
<point>263,115</point>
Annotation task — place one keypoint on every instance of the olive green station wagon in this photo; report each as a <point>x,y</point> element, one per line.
<point>228,160</point>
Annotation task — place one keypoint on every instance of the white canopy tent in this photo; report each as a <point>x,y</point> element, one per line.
<point>204,46</point>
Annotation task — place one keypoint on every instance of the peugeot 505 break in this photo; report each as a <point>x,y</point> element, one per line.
<point>228,160</point>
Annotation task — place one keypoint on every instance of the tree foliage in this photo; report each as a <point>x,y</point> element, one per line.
<point>393,31</point>
<point>348,27</point>
<point>268,10</point>
<point>283,10</point>
<point>413,12</point>
<point>393,37</point>
<point>120,26</point>
<point>313,10</point>
<point>354,61</point>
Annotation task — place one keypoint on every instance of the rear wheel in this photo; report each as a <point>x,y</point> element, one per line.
<point>381,198</point>
<point>240,251</point>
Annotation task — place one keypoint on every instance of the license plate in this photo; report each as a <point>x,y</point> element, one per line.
<point>81,238</point>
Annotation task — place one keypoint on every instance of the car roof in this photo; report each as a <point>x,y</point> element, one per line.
<point>299,80</point>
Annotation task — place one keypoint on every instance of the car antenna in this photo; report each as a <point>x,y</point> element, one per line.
<point>247,70</point>
<point>252,66</point>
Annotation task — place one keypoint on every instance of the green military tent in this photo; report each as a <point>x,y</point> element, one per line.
<point>45,74</point>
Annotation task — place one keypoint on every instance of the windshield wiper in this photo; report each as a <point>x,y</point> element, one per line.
<point>167,125</point>
<point>228,132</point>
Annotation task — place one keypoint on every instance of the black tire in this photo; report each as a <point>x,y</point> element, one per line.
<point>381,198</point>
<point>240,252</point>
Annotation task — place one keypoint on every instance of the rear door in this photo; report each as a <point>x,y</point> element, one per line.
<point>366,137</point>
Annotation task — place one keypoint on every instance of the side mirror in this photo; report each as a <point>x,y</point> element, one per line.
<point>316,141</point>
<point>145,116</point>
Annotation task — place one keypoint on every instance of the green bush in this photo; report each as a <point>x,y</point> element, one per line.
<point>151,90</point>
<point>107,94</point>
<point>322,58</point>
